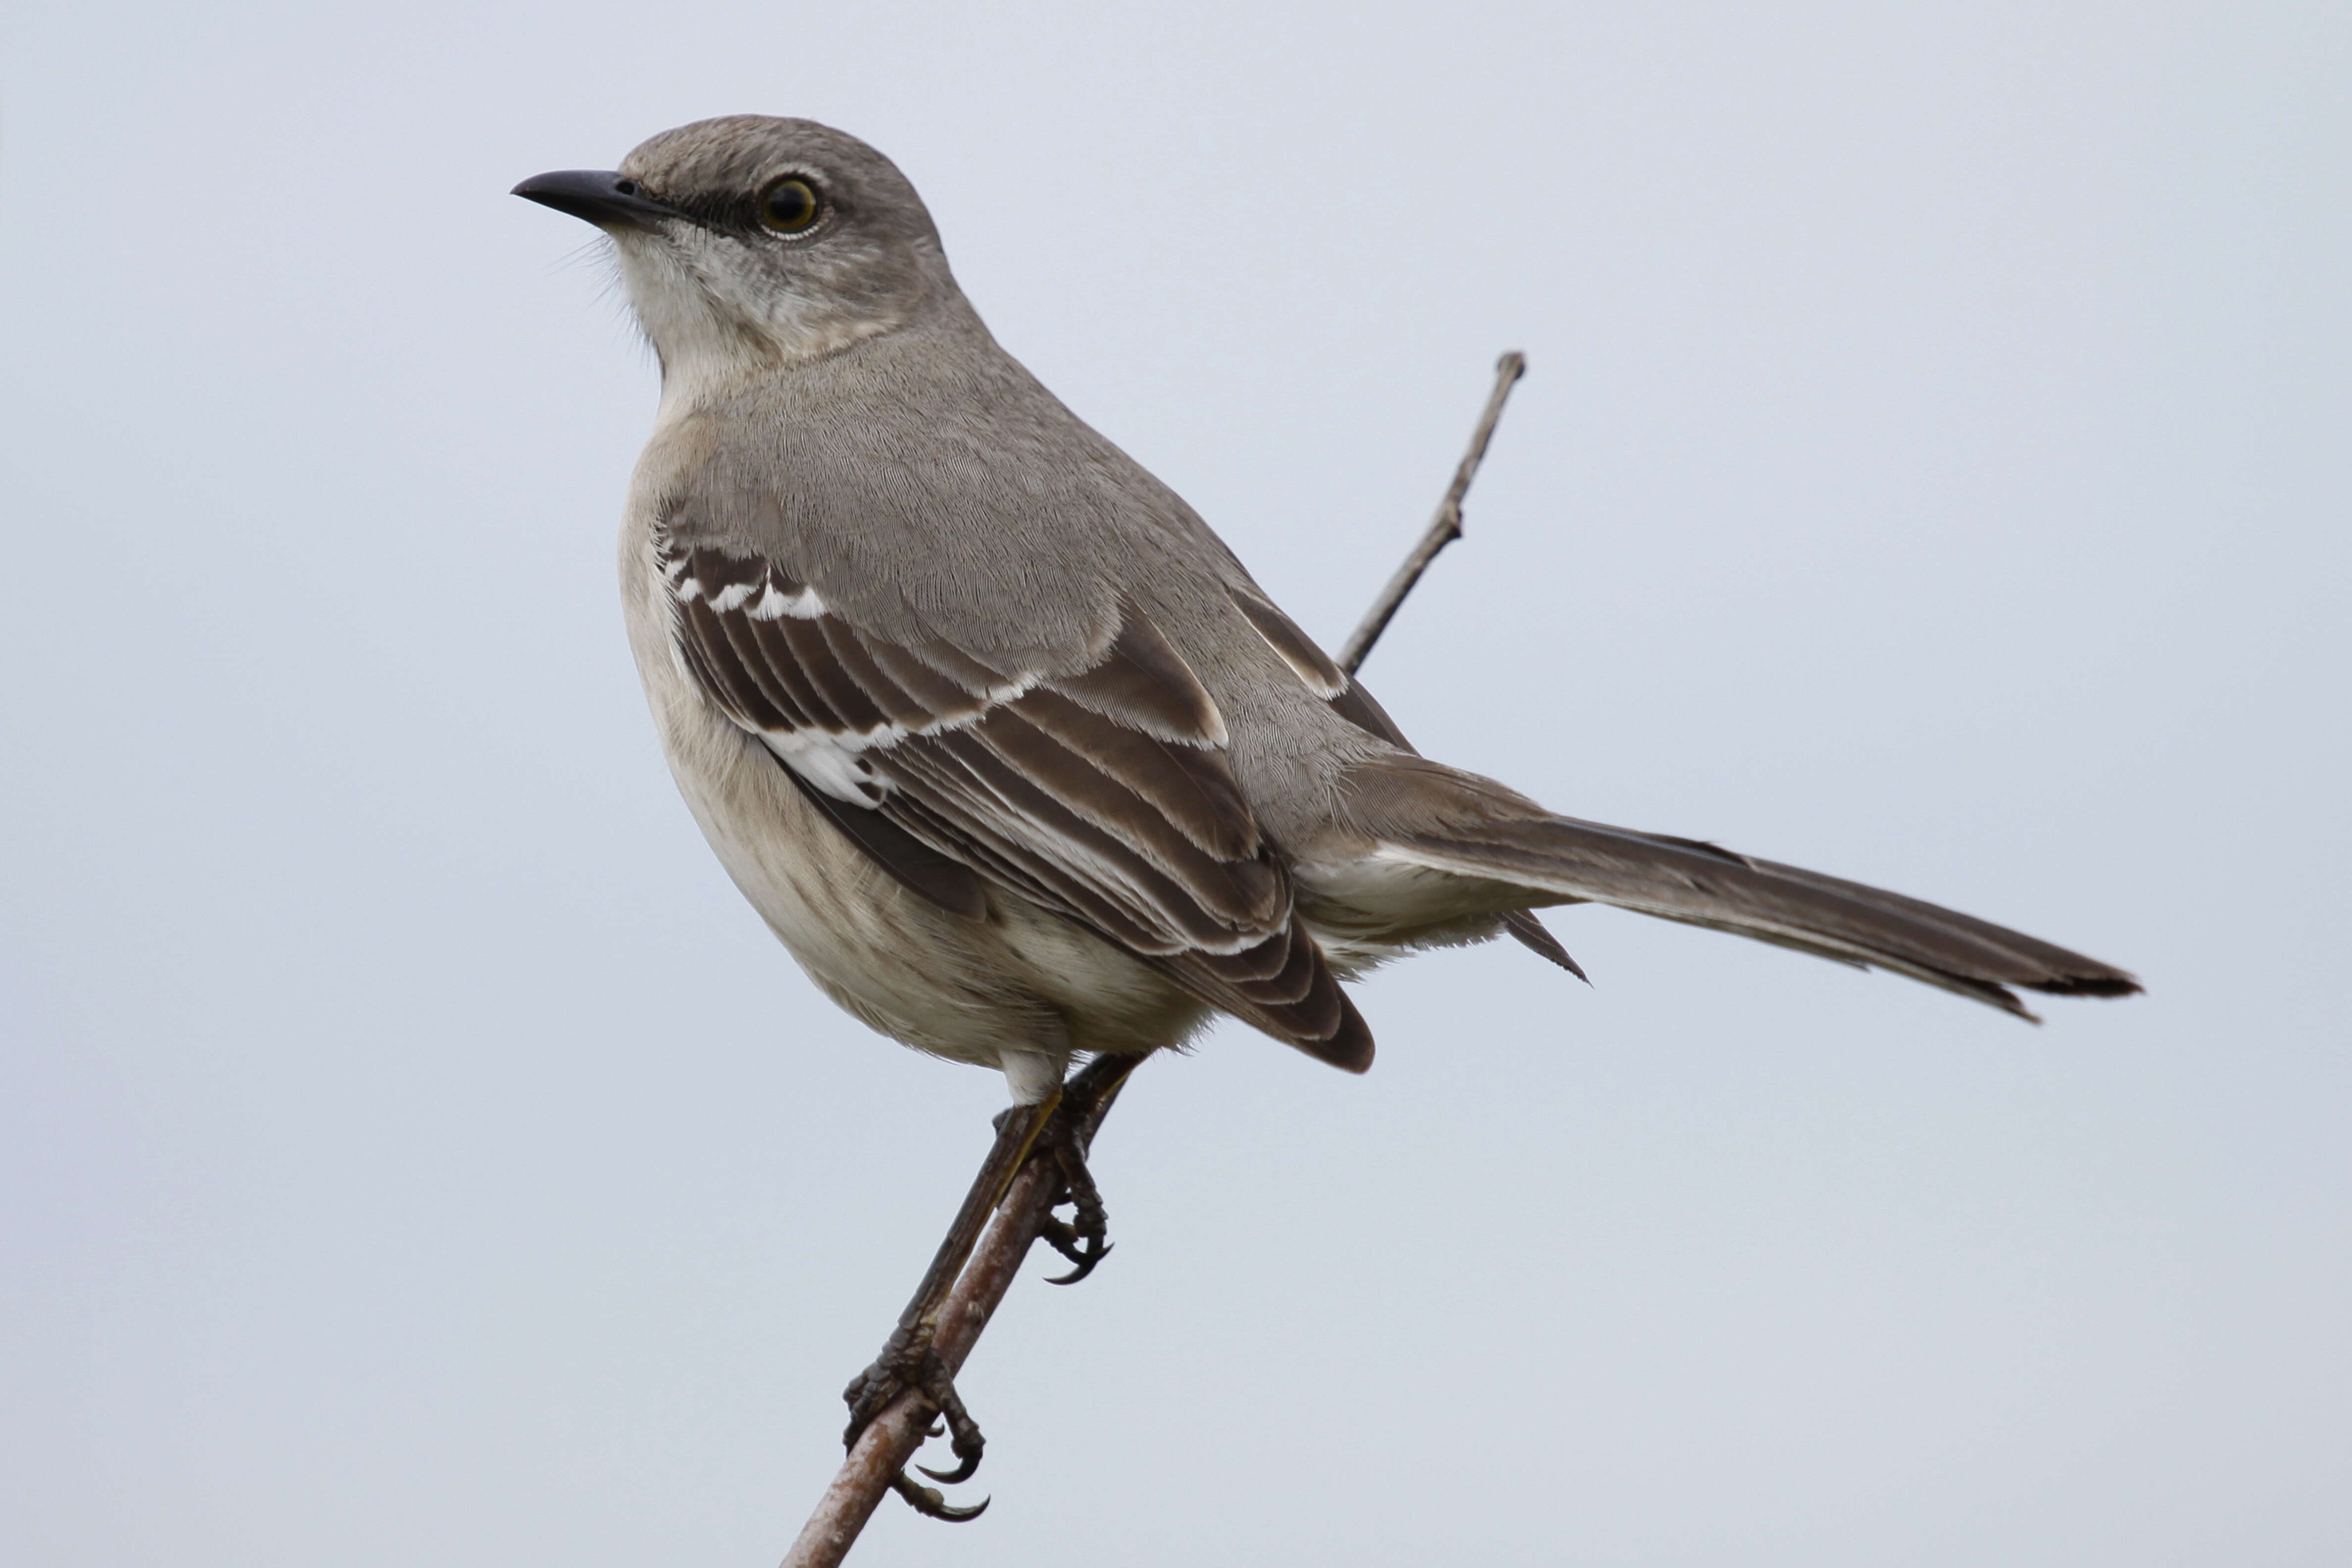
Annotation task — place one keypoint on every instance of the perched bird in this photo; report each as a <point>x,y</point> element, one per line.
<point>1001,740</point>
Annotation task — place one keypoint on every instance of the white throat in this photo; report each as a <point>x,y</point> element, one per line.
<point>719,328</point>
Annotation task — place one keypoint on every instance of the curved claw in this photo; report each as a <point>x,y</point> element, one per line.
<point>1083,1242</point>
<point>929,1503</point>
<point>1085,1262</point>
<point>963,1472</point>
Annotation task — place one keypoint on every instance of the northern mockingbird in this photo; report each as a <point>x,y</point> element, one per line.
<point>1001,741</point>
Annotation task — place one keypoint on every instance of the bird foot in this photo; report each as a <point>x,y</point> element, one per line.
<point>1083,1239</point>
<point>908,1360</point>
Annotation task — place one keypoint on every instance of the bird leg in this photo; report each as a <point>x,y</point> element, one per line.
<point>1059,1128</point>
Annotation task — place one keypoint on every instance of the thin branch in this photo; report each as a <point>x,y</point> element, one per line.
<point>1445,529</point>
<point>886,1447</point>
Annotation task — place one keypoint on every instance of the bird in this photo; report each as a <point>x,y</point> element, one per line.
<point>1005,744</point>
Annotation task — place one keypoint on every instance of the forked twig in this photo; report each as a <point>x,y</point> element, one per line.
<point>887,1446</point>
<point>1443,529</point>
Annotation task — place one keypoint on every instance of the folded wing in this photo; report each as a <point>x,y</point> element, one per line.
<point>1101,794</point>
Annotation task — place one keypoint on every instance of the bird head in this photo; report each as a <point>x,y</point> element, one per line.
<point>749,244</point>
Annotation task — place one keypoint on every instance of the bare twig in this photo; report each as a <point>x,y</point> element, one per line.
<point>1445,529</point>
<point>886,1447</point>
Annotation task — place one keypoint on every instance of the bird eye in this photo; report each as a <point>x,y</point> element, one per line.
<point>789,206</point>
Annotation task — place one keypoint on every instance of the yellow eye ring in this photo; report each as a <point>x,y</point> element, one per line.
<point>790,206</point>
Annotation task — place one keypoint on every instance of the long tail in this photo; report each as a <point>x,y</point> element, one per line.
<point>1704,885</point>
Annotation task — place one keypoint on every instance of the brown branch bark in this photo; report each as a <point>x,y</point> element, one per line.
<point>1443,529</point>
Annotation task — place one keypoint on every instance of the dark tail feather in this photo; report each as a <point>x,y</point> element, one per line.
<point>1529,933</point>
<point>1703,885</point>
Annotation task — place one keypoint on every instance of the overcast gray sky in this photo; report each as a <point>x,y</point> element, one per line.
<point>1932,471</point>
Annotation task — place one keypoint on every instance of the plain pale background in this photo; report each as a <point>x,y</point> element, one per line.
<point>1932,471</point>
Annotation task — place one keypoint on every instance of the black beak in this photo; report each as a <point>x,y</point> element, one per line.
<point>600,196</point>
